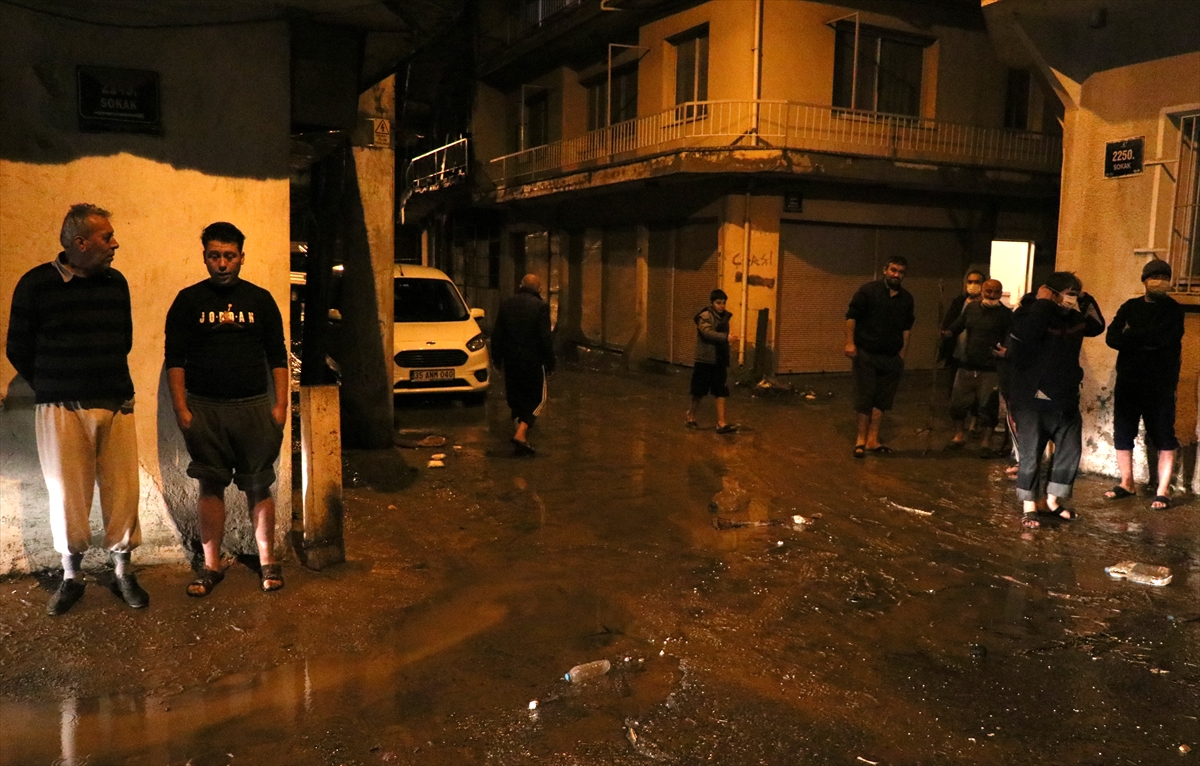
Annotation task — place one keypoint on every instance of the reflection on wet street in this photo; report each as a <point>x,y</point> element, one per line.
<point>905,618</point>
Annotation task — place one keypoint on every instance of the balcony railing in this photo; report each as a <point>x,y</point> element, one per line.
<point>440,167</point>
<point>783,125</point>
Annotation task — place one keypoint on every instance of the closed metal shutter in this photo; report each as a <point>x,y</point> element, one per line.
<point>823,265</point>
<point>658,292</point>
<point>693,278</point>
<point>619,290</point>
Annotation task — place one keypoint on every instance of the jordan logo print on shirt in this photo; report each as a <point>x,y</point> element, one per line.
<point>228,316</point>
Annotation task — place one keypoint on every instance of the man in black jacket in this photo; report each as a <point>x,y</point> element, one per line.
<point>522,348</point>
<point>1043,349</point>
<point>1147,333</point>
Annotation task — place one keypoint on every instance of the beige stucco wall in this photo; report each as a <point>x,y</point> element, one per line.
<point>223,155</point>
<point>1103,221</point>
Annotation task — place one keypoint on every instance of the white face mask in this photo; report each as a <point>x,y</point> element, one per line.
<point>974,289</point>
<point>1070,302</point>
<point>1158,286</point>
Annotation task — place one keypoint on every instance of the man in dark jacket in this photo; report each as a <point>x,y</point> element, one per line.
<point>984,326</point>
<point>1147,333</point>
<point>878,321</point>
<point>1043,351</point>
<point>69,337</point>
<point>522,348</point>
<point>711,361</point>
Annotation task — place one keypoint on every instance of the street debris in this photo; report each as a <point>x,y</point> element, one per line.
<point>428,441</point>
<point>587,671</point>
<point>435,464</point>
<point>1145,574</point>
<point>906,508</point>
<point>731,499</point>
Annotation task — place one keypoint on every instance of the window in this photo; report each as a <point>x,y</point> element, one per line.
<point>1016,100</point>
<point>691,71</point>
<point>537,121</point>
<point>1184,254</point>
<point>881,74</point>
<point>624,97</point>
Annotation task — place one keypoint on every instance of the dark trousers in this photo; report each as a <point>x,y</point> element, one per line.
<point>1035,427</point>
<point>525,390</point>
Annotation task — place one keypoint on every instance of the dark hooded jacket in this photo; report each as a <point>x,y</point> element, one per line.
<point>521,334</point>
<point>1043,351</point>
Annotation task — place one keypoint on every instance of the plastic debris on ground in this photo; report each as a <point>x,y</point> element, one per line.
<point>587,671</point>
<point>1146,574</point>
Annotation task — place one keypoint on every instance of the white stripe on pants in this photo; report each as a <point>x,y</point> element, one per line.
<point>79,448</point>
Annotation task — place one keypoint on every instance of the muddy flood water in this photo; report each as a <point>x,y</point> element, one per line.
<point>905,619</point>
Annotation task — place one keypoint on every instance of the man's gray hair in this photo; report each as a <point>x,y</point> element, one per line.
<point>76,225</point>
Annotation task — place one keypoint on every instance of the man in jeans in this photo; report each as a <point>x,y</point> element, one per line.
<point>69,337</point>
<point>222,336</point>
<point>878,321</point>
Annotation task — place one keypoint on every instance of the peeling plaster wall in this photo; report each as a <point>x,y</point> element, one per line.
<point>1104,220</point>
<point>223,155</point>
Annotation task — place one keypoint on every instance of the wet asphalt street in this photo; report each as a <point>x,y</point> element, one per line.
<point>908,619</point>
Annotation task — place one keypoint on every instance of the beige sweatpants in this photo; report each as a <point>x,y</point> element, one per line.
<point>80,448</point>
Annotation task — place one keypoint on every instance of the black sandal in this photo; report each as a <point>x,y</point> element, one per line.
<point>860,450</point>
<point>1057,513</point>
<point>271,576</point>
<point>204,584</point>
<point>1029,520</point>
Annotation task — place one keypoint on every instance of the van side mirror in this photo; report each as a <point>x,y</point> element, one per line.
<point>477,313</point>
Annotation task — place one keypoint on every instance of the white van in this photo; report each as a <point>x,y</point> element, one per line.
<point>438,342</point>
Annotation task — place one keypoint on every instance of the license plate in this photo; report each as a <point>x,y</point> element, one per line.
<point>431,375</point>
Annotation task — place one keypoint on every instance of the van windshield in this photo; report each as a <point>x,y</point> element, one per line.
<point>428,300</point>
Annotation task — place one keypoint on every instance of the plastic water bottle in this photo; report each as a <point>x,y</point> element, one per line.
<point>587,671</point>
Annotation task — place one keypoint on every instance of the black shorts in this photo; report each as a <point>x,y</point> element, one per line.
<point>233,440</point>
<point>1154,404</point>
<point>876,380</point>
<point>708,378</point>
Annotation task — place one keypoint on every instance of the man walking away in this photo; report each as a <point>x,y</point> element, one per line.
<point>710,372</point>
<point>522,348</point>
<point>878,322</point>
<point>1147,333</point>
<point>1043,350</point>
<point>222,336</point>
<point>69,336</point>
<point>985,326</point>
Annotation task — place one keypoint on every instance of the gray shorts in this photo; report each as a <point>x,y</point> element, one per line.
<point>233,440</point>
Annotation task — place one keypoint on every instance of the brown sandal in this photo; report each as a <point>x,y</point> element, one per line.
<point>204,584</point>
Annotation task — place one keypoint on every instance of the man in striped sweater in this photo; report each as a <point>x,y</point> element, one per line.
<point>69,337</point>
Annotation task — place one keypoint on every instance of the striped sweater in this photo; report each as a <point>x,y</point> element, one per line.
<point>71,339</point>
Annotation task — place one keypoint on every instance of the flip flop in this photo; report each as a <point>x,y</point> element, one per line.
<point>860,450</point>
<point>882,449</point>
<point>1160,503</point>
<point>1119,493</point>
<point>521,447</point>
<point>1030,520</point>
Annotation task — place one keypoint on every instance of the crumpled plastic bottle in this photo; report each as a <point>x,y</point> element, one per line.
<point>587,671</point>
<point>1146,574</point>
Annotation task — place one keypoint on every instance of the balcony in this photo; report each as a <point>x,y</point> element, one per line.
<point>780,125</point>
<point>441,167</point>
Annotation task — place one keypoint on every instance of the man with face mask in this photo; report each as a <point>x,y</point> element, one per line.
<point>950,351</point>
<point>984,325</point>
<point>1147,333</point>
<point>1043,350</point>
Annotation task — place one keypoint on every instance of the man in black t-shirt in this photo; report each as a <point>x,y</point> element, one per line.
<point>222,336</point>
<point>878,321</point>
